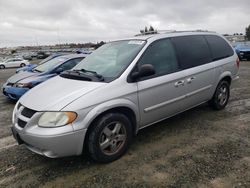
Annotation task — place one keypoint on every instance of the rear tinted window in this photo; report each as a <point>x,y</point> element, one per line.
<point>192,51</point>
<point>219,47</point>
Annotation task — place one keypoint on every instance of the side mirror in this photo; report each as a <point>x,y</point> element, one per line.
<point>59,70</point>
<point>144,70</point>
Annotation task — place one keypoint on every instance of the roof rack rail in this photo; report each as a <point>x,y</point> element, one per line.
<point>197,30</point>
<point>170,31</point>
<point>155,32</point>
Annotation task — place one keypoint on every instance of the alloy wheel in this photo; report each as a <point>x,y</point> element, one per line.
<point>112,138</point>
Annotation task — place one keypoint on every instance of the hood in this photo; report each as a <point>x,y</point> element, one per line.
<point>56,93</point>
<point>244,49</point>
<point>37,78</point>
<point>20,76</point>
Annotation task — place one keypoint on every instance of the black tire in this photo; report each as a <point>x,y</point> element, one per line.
<point>221,96</point>
<point>114,132</point>
<point>22,65</point>
<point>2,66</point>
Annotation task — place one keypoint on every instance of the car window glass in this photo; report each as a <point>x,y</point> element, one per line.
<point>51,64</point>
<point>162,56</point>
<point>10,60</point>
<point>70,64</point>
<point>111,59</point>
<point>192,51</point>
<point>219,47</point>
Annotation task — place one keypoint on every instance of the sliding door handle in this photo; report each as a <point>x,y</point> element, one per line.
<point>189,80</point>
<point>179,83</point>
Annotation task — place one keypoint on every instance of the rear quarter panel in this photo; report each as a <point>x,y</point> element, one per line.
<point>226,67</point>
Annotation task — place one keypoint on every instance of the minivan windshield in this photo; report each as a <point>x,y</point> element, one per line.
<point>111,59</point>
<point>50,64</point>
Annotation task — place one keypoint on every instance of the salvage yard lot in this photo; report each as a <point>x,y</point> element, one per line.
<point>198,148</point>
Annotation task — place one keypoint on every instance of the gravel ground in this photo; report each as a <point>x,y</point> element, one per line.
<point>198,148</point>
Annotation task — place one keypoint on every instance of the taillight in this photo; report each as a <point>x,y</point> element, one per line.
<point>238,62</point>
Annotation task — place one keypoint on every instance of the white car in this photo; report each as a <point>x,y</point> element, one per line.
<point>13,62</point>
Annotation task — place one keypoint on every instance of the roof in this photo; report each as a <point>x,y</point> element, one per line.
<point>168,33</point>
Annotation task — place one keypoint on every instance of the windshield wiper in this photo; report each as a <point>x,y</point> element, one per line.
<point>99,76</point>
<point>36,70</point>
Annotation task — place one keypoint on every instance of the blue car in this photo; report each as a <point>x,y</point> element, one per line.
<point>22,82</point>
<point>243,51</point>
<point>31,66</point>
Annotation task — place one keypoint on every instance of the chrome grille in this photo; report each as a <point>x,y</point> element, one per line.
<point>26,112</point>
<point>23,115</point>
<point>21,123</point>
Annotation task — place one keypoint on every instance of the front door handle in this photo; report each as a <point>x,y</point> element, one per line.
<point>189,80</point>
<point>179,83</point>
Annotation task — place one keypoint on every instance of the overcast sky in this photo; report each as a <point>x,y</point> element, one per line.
<point>31,22</point>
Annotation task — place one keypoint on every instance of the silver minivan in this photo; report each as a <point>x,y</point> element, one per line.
<point>122,87</point>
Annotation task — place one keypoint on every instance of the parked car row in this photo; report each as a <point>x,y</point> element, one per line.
<point>44,54</point>
<point>22,82</point>
<point>31,66</point>
<point>119,89</point>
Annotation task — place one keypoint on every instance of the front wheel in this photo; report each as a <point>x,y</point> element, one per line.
<point>2,66</point>
<point>110,137</point>
<point>221,96</point>
<point>22,65</point>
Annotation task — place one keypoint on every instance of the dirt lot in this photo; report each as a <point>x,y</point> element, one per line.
<point>198,148</point>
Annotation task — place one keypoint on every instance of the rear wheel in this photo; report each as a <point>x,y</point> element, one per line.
<point>110,137</point>
<point>22,65</point>
<point>2,66</point>
<point>221,96</point>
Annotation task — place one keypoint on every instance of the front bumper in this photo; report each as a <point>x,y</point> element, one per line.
<point>14,93</point>
<point>53,146</point>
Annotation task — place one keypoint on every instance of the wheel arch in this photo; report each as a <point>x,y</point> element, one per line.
<point>128,112</point>
<point>125,106</point>
<point>129,109</point>
<point>227,76</point>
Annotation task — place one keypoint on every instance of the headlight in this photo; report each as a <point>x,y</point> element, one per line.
<point>56,119</point>
<point>23,85</point>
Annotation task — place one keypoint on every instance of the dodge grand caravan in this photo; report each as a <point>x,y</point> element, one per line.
<point>122,87</point>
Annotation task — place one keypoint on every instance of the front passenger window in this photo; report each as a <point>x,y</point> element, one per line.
<point>162,56</point>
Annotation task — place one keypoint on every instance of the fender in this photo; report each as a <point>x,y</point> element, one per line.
<point>223,75</point>
<point>108,105</point>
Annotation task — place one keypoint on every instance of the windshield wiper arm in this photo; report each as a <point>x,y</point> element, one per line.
<point>36,70</point>
<point>99,76</point>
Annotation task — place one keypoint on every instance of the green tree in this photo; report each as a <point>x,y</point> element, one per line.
<point>147,31</point>
<point>13,51</point>
<point>248,33</point>
<point>152,30</point>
